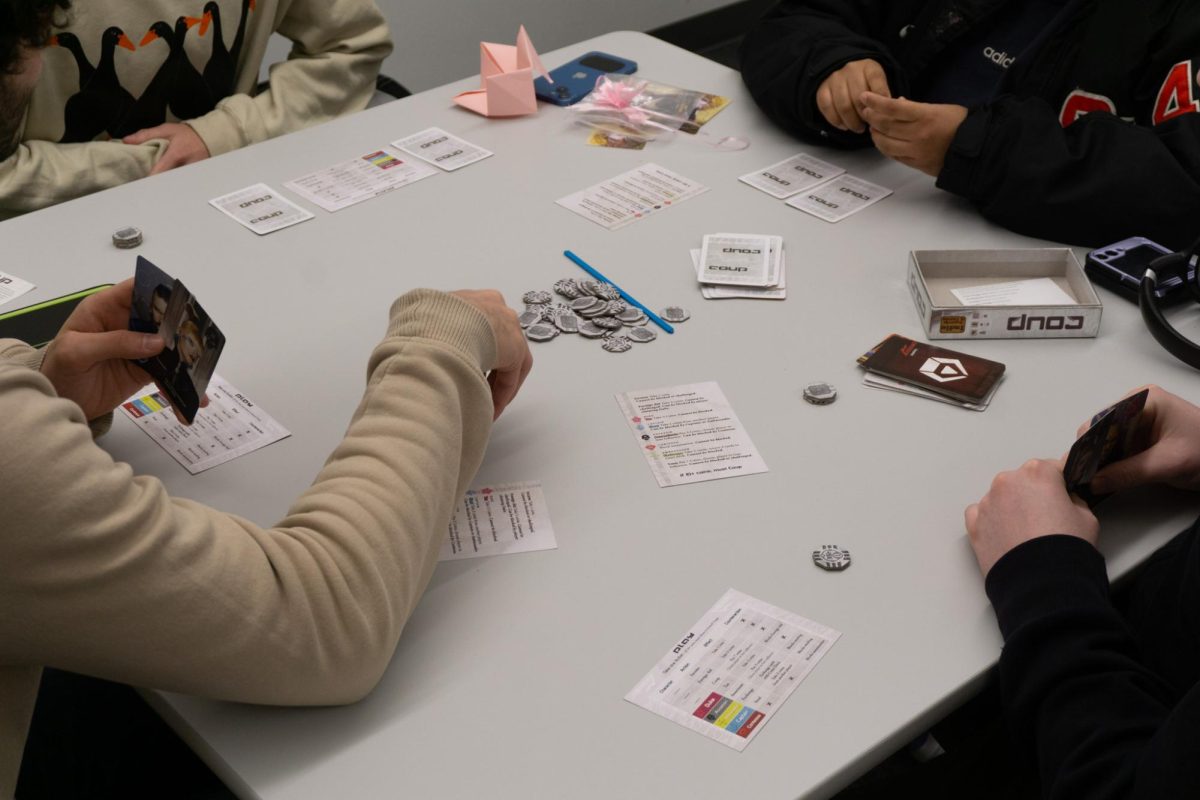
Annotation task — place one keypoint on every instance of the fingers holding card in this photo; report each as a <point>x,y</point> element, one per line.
<point>192,341</point>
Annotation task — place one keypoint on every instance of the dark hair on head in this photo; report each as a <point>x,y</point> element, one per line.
<point>25,22</point>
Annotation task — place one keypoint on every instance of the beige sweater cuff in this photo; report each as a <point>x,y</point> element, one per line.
<point>17,352</point>
<point>442,317</point>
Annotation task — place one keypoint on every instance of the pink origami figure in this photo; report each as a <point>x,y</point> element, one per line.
<point>506,79</point>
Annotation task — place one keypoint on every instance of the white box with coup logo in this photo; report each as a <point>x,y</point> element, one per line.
<point>933,274</point>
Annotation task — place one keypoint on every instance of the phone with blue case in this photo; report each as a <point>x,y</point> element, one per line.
<point>575,79</point>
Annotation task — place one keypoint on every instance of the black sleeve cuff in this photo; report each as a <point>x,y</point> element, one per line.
<point>1049,572</point>
<point>964,151</point>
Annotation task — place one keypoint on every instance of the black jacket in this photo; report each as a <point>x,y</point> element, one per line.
<point>1107,700</point>
<point>1032,159</point>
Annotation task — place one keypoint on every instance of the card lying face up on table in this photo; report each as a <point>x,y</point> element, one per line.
<point>193,343</point>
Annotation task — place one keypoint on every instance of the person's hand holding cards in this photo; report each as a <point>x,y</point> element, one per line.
<point>91,360</point>
<point>1111,436</point>
<point>1162,445</point>
<point>192,342</point>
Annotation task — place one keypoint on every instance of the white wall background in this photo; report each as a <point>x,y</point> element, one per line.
<point>437,41</point>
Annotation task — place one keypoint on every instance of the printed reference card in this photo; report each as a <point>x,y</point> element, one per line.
<point>689,434</point>
<point>499,519</point>
<point>631,196</point>
<point>731,671</point>
<point>359,179</point>
<point>230,426</point>
<point>12,287</point>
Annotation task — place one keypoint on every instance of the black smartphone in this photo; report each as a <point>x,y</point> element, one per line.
<point>1119,267</point>
<point>38,324</point>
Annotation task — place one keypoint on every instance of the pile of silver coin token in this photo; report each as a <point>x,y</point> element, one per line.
<point>592,309</point>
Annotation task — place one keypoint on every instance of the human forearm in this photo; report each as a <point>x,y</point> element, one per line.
<point>181,596</point>
<point>41,174</point>
<point>1074,688</point>
<point>338,47</point>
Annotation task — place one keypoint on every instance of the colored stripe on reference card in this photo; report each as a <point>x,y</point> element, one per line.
<point>132,409</point>
<point>142,406</point>
<point>731,711</point>
<point>707,705</point>
<point>383,160</point>
<point>737,722</point>
<point>751,724</point>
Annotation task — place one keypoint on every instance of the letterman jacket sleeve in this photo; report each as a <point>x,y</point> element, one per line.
<point>1076,690</point>
<point>1100,178</point>
<point>787,56</point>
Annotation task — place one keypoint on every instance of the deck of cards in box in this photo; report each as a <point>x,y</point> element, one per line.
<point>1003,294</point>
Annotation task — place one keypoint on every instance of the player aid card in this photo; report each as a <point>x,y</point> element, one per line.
<point>792,176</point>
<point>261,209</point>
<point>164,306</point>
<point>443,150</point>
<point>839,198</point>
<point>1112,436</point>
<point>738,259</point>
<point>946,372</point>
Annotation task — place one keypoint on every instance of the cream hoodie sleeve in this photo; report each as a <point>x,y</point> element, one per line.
<point>337,48</point>
<point>40,174</point>
<point>102,572</point>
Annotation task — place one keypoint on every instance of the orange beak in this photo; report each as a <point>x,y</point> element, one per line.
<point>147,39</point>
<point>205,21</point>
<point>126,42</point>
<point>192,21</point>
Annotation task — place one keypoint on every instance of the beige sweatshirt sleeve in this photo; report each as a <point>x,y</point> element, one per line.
<point>337,48</point>
<point>41,174</point>
<point>102,572</point>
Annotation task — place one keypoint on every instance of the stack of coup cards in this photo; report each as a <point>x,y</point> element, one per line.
<point>903,365</point>
<point>741,265</point>
<point>164,306</point>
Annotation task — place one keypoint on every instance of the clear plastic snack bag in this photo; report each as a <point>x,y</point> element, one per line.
<point>627,111</point>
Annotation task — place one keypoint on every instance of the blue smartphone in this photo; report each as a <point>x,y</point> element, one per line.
<point>573,80</point>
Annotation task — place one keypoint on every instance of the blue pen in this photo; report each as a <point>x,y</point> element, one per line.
<point>590,270</point>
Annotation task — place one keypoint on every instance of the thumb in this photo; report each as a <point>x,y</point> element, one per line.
<point>94,348</point>
<point>1126,473</point>
<point>145,135</point>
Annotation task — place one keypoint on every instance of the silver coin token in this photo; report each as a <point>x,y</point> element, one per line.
<point>541,332</point>
<point>820,394</point>
<point>527,318</point>
<point>567,323</point>
<point>641,335</point>
<point>675,314</point>
<point>592,331</point>
<point>629,316</point>
<point>589,287</point>
<point>568,288</point>
<point>127,238</point>
<point>831,557</point>
<point>617,344</point>
<point>616,307</point>
<point>609,323</point>
<point>579,304</point>
<point>537,297</point>
<point>606,291</point>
